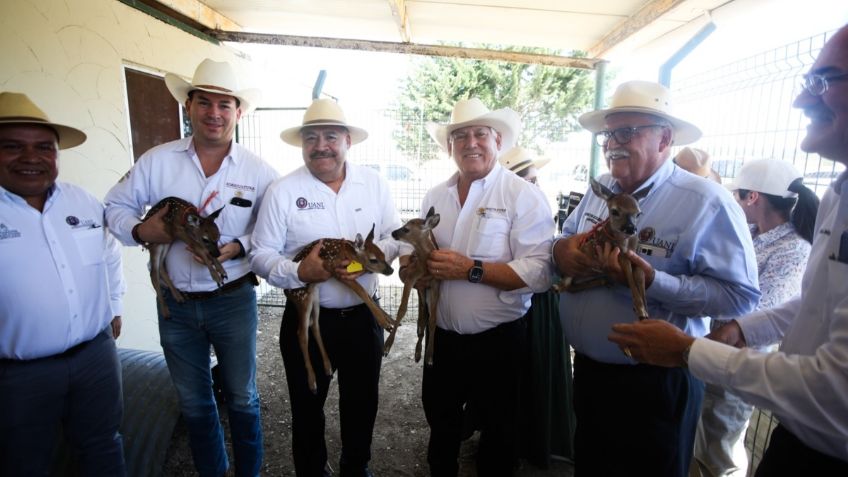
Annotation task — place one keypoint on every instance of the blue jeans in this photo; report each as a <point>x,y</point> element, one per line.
<point>227,323</point>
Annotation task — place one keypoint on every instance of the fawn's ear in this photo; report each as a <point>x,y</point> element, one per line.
<point>370,237</point>
<point>600,190</point>
<point>432,220</point>
<point>358,242</point>
<point>642,193</point>
<point>214,215</point>
<point>430,212</point>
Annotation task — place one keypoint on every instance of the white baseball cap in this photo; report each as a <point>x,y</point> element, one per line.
<point>768,176</point>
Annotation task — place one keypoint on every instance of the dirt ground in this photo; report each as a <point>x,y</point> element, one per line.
<point>400,435</point>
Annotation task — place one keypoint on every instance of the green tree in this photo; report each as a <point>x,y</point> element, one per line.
<point>548,98</point>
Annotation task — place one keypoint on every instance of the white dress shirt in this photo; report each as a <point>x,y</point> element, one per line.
<point>299,209</point>
<point>173,169</point>
<point>62,282</point>
<point>505,219</point>
<point>806,383</point>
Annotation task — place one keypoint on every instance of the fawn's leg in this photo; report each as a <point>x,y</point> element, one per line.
<point>315,307</point>
<point>382,317</point>
<point>423,319</point>
<point>431,332</point>
<point>301,298</point>
<point>636,282</point>
<point>404,299</point>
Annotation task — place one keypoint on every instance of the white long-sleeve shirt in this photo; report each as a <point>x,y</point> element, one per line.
<point>505,219</point>
<point>62,281</point>
<point>805,384</point>
<point>173,169</point>
<point>299,209</point>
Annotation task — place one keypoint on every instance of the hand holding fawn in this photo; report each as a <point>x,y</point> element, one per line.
<point>333,253</point>
<point>180,220</point>
<point>419,233</point>
<point>617,231</point>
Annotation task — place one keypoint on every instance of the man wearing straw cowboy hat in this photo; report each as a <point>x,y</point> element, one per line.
<point>519,161</point>
<point>698,259</point>
<point>60,290</point>
<point>805,383</point>
<point>327,198</point>
<point>494,251</point>
<point>211,171</point>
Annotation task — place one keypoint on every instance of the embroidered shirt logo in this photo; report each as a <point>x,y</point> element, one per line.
<point>232,185</point>
<point>304,204</point>
<point>7,233</point>
<point>486,212</point>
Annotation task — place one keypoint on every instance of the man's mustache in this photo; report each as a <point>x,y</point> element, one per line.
<point>321,155</point>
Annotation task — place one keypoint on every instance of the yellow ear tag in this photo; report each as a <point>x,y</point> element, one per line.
<point>354,267</point>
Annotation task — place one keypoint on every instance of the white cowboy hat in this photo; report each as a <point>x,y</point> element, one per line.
<point>768,176</point>
<point>472,112</point>
<point>323,112</point>
<point>17,108</point>
<point>213,77</point>
<point>642,97</point>
<point>517,159</point>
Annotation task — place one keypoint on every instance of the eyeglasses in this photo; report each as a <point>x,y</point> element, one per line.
<point>621,135</point>
<point>816,85</point>
<point>461,136</point>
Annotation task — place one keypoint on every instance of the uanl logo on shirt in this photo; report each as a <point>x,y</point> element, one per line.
<point>653,246</point>
<point>76,223</point>
<point>304,204</point>
<point>7,233</point>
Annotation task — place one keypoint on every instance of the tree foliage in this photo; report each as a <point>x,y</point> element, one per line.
<point>547,98</point>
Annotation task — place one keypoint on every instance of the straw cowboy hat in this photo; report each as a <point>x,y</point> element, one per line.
<point>323,112</point>
<point>642,97</point>
<point>472,112</point>
<point>517,159</point>
<point>694,160</point>
<point>213,77</point>
<point>767,176</point>
<point>17,108</point>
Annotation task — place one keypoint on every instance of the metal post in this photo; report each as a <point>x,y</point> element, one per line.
<point>600,76</point>
<point>683,52</point>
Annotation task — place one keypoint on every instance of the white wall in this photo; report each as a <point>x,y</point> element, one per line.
<point>69,57</point>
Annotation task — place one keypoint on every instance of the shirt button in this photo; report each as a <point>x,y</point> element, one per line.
<point>71,291</point>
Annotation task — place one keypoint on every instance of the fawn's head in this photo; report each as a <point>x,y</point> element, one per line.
<point>202,231</point>
<point>624,211</point>
<point>417,232</point>
<point>370,255</point>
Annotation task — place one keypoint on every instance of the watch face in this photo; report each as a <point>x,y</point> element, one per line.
<point>475,275</point>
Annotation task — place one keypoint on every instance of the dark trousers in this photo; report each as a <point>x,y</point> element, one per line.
<point>787,456</point>
<point>634,419</point>
<point>354,343</point>
<point>81,390</point>
<point>485,369</point>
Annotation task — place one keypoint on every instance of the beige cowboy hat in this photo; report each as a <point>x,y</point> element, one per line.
<point>17,108</point>
<point>213,77</point>
<point>517,159</point>
<point>472,112</point>
<point>694,160</point>
<point>642,97</point>
<point>323,112</point>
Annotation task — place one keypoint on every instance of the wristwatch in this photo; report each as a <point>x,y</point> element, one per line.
<point>475,273</point>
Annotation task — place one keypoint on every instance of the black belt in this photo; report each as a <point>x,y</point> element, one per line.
<point>342,312</point>
<point>64,354</point>
<point>223,289</point>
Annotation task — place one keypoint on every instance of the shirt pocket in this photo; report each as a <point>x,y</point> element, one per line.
<point>490,240</point>
<point>90,243</point>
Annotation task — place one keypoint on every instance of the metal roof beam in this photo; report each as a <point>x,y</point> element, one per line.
<point>649,13</point>
<point>398,8</point>
<point>406,48</point>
